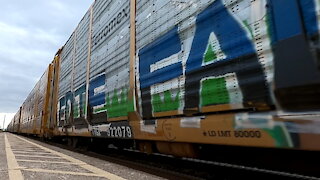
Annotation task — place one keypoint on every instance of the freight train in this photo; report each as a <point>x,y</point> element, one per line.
<point>172,75</point>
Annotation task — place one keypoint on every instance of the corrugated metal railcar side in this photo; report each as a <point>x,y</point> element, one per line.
<point>16,121</point>
<point>206,72</point>
<point>34,109</point>
<point>29,112</point>
<point>196,58</point>
<point>94,75</point>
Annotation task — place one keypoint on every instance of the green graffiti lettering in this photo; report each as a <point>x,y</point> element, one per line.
<point>168,104</point>
<point>214,91</point>
<point>210,55</point>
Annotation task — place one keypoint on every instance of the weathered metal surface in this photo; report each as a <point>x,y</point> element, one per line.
<point>244,129</point>
<point>202,53</point>
<point>109,66</point>
<point>65,82</point>
<point>16,122</point>
<point>28,112</point>
<point>33,109</point>
<point>193,59</point>
<point>80,71</point>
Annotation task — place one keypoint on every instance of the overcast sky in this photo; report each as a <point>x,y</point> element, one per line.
<point>31,31</point>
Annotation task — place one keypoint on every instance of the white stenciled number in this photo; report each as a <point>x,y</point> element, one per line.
<point>120,132</point>
<point>128,132</point>
<point>111,129</point>
<point>115,132</point>
<point>123,131</point>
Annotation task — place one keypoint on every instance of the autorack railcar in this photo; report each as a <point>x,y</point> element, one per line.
<point>171,75</point>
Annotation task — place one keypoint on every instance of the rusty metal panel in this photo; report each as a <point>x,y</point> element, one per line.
<point>41,98</point>
<point>203,56</point>
<point>54,95</point>
<point>16,121</point>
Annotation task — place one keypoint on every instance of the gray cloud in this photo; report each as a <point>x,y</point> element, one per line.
<point>30,34</point>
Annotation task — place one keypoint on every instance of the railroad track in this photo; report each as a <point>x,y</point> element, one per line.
<point>170,167</point>
<point>255,170</point>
